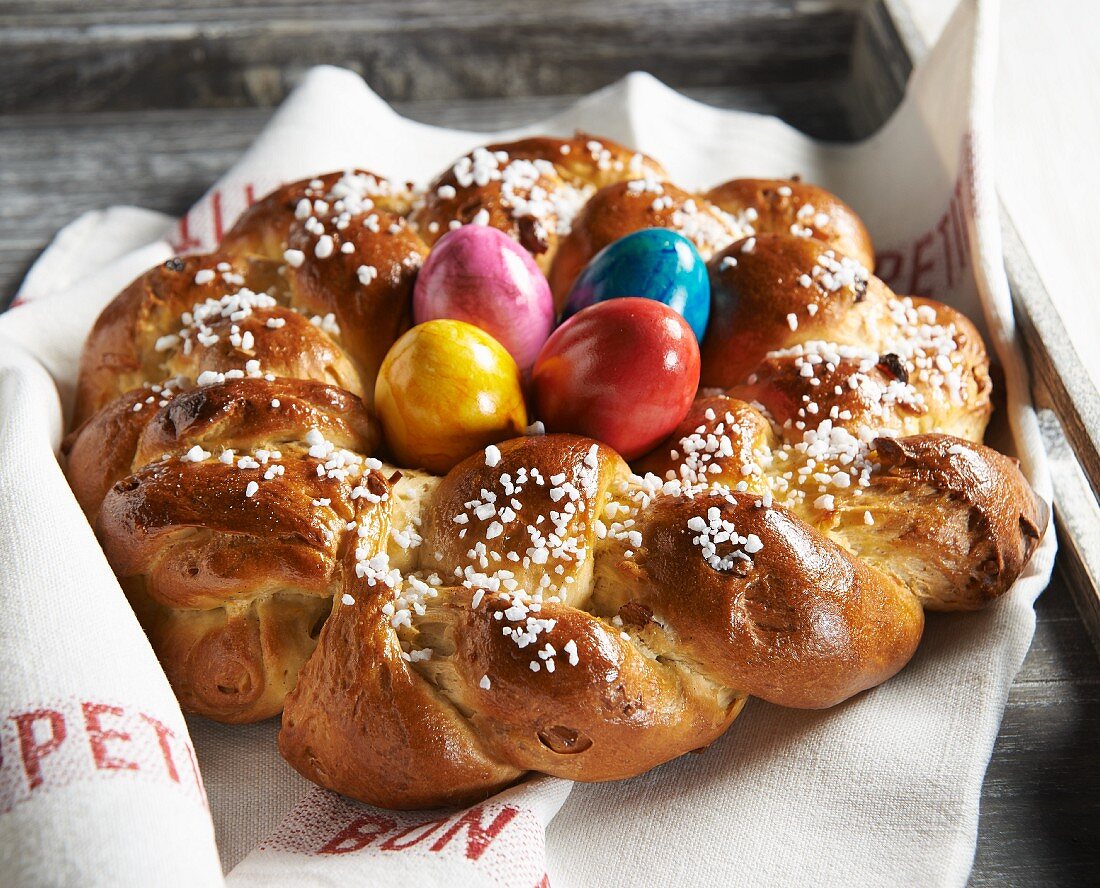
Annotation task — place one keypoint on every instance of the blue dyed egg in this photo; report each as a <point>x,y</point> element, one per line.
<point>654,263</point>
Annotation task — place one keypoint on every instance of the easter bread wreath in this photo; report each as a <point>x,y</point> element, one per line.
<point>544,469</point>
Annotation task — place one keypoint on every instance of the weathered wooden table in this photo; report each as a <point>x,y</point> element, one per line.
<point>127,102</point>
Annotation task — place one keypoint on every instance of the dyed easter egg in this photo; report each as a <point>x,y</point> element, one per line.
<point>623,371</point>
<point>480,275</point>
<point>447,389</point>
<point>654,263</point>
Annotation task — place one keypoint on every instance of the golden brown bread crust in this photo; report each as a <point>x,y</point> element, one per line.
<point>324,300</point>
<point>371,310</point>
<point>712,220</point>
<point>530,189</point>
<point>558,456</point>
<point>584,158</point>
<point>743,433</point>
<point>263,230</point>
<point>234,585</point>
<point>297,350</point>
<point>619,712</point>
<point>789,206</point>
<point>642,202</point>
<point>758,284</point>
<point>614,712</point>
<point>393,741</point>
<point>800,622</point>
<point>857,388</point>
<point>968,520</point>
<point>542,607</point>
<point>231,586</point>
<point>236,414</point>
<point>954,522</point>
<point>100,451</point>
<point>120,352</point>
<point>239,415</point>
<point>778,301</point>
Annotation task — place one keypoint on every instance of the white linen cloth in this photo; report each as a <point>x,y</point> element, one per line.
<point>98,784</point>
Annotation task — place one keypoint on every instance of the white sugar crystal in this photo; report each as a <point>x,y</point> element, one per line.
<point>570,648</point>
<point>195,454</point>
<point>714,531</point>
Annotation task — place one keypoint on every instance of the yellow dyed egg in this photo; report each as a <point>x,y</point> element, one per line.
<point>447,389</point>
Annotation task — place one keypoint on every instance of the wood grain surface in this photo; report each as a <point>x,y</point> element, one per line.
<point>55,166</point>
<point>157,53</point>
<point>147,102</point>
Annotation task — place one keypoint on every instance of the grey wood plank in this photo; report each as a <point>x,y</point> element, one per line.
<point>1077,513</point>
<point>68,56</point>
<point>1060,374</point>
<point>56,166</point>
<point>1062,383</point>
<point>1040,807</point>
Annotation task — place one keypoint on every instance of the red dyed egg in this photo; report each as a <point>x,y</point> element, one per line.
<point>623,371</point>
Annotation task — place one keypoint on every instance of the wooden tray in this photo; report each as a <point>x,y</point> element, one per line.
<point>149,101</point>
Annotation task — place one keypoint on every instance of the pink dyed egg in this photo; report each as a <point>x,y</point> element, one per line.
<point>481,276</point>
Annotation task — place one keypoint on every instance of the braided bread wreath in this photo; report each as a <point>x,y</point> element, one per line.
<point>543,606</point>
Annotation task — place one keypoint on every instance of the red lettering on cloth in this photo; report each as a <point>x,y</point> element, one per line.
<point>418,831</point>
<point>216,214</point>
<point>184,240</point>
<point>919,267</point>
<point>964,240</point>
<point>76,741</point>
<point>164,734</point>
<point>358,834</point>
<point>369,829</point>
<point>478,836</point>
<point>31,748</point>
<point>99,736</point>
<point>942,229</point>
<point>198,777</point>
